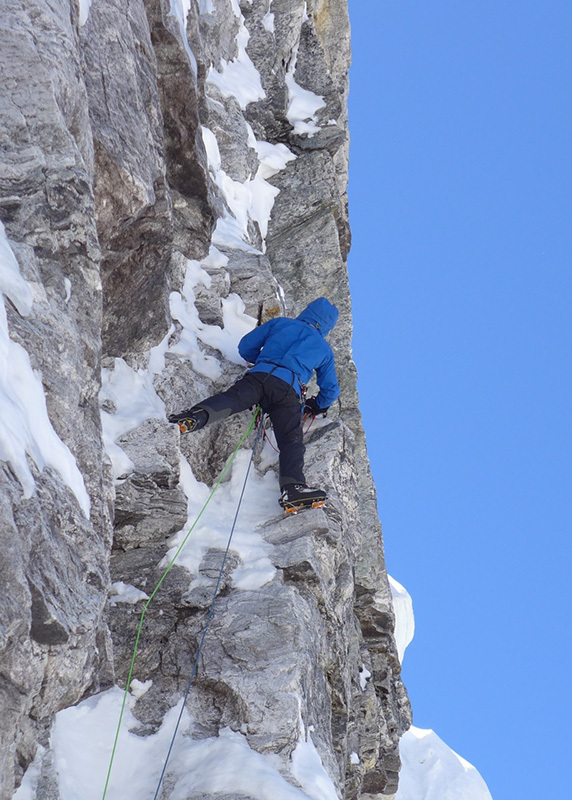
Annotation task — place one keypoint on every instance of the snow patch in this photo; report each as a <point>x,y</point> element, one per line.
<point>213,528</point>
<point>303,104</point>
<point>125,593</point>
<point>254,198</point>
<point>25,427</point>
<point>238,78</point>
<point>404,619</point>
<point>364,676</point>
<point>308,770</point>
<point>432,771</point>
<point>82,739</point>
<point>236,323</point>
<point>84,6</point>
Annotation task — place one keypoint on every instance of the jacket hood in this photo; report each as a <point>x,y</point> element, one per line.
<point>320,314</point>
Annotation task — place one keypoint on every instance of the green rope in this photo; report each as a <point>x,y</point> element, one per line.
<point>158,586</point>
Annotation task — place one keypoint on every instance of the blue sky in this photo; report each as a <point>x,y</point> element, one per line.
<point>460,270</point>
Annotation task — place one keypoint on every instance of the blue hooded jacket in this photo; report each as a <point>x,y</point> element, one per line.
<point>292,349</point>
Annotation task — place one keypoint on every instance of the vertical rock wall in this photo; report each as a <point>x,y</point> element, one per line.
<point>136,137</point>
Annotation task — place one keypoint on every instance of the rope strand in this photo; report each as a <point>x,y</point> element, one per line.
<point>159,584</point>
<point>210,615</point>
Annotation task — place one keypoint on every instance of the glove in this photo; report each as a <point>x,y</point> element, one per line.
<point>312,409</point>
<point>181,415</point>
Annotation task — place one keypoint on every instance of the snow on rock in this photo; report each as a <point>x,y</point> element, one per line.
<point>432,771</point>
<point>215,523</point>
<point>25,427</point>
<point>238,78</point>
<point>84,6</point>
<point>302,104</point>
<point>125,593</point>
<point>308,770</point>
<point>254,198</point>
<point>404,619</point>
<point>236,323</point>
<point>82,738</point>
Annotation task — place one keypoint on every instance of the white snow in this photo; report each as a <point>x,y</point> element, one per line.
<point>432,771</point>
<point>180,10</point>
<point>308,770</point>
<point>139,688</point>
<point>268,21</point>
<point>29,785</point>
<point>259,504</point>
<point>302,103</point>
<point>404,618</point>
<point>84,6</point>
<point>354,758</point>
<point>254,198</point>
<point>25,427</point>
<point>82,738</point>
<point>206,6</point>
<point>236,323</point>
<point>125,593</point>
<point>238,78</point>
<point>364,675</point>
<point>132,394</point>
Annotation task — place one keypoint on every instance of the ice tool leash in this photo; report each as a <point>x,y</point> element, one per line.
<point>255,421</point>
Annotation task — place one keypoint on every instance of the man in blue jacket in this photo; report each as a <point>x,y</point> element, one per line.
<point>284,353</point>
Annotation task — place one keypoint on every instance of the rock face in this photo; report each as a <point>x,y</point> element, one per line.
<point>171,173</point>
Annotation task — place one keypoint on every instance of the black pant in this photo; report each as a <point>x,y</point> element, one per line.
<point>281,402</point>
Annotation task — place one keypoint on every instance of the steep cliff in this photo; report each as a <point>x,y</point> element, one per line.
<point>172,173</point>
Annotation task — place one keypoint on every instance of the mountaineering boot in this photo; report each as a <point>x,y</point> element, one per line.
<point>191,420</point>
<point>296,496</point>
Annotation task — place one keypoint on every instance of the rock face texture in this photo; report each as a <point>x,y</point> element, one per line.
<point>171,173</point>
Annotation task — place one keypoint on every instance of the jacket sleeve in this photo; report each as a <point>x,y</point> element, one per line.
<point>252,343</point>
<point>328,382</point>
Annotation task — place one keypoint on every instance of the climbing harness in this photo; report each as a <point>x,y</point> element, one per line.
<point>255,421</point>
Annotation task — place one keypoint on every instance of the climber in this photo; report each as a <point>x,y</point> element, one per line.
<point>284,353</point>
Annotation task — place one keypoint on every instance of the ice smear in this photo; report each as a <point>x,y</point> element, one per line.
<point>432,771</point>
<point>82,738</point>
<point>25,427</point>
<point>206,6</point>
<point>212,531</point>
<point>404,619</point>
<point>238,78</point>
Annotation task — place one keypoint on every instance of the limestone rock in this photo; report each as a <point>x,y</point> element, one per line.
<point>106,192</point>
